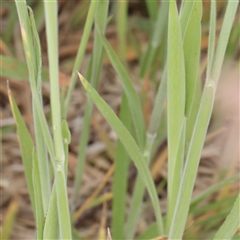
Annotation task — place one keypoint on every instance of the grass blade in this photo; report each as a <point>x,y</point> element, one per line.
<point>211,40</point>
<point>223,39</point>
<point>62,204</point>
<point>190,170</point>
<point>120,178</point>
<point>133,100</point>
<point>152,7</point>
<point>186,10</point>
<point>156,37</point>
<point>80,53</point>
<point>66,141</point>
<point>38,196</point>
<point>176,105</point>
<point>51,226</point>
<point>122,158</point>
<point>230,225</point>
<point>191,45</point>
<point>32,50</point>
<point>26,146</point>
<point>130,145</point>
<point>195,201</point>
<point>94,71</point>
<point>9,220</point>
<point>52,42</point>
<point>200,129</point>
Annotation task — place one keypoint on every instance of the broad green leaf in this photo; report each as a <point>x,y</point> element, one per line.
<point>230,225</point>
<point>40,218</point>
<point>191,45</point>
<point>176,105</point>
<point>133,100</point>
<point>130,145</point>
<point>26,146</point>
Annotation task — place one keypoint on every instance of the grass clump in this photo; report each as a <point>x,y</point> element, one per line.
<point>188,112</point>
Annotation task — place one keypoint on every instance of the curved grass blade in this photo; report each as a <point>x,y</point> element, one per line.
<point>9,220</point>
<point>26,146</point>
<point>230,225</point>
<point>130,145</point>
<point>195,201</point>
<point>185,12</point>
<point>133,100</point>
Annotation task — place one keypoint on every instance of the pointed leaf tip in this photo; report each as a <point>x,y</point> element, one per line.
<point>80,75</point>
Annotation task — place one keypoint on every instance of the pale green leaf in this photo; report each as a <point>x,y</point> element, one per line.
<point>130,145</point>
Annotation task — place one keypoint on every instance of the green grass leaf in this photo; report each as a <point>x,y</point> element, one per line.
<point>80,53</point>
<point>40,218</point>
<point>26,146</point>
<point>93,73</point>
<point>192,160</point>
<point>230,225</point>
<point>51,227</point>
<point>32,50</point>
<point>191,45</point>
<point>62,204</point>
<point>130,145</point>
<point>133,100</point>
<point>176,106</point>
<point>196,200</point>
